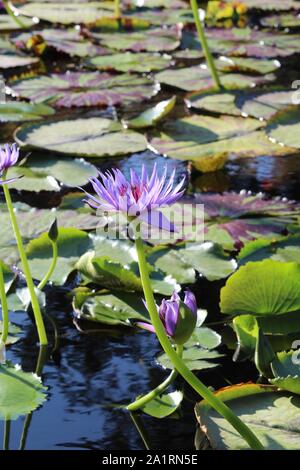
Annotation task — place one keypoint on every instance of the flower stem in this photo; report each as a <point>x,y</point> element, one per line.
<point>205,47</point>
<point>34,300</point>
<point>4,308</point>
<point>141,430</point>
<point>178,363</point>
<point>51,268</point>
<point>140,402</point>
<point>117,9</point>
<point>11,14</point>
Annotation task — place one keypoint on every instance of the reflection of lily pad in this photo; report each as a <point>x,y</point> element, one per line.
<point>20,392</point>
<point>85,89</point>
<point>130,62</point>
<point>91,137</point>
<point>273,416</point>
<point>151,40</point>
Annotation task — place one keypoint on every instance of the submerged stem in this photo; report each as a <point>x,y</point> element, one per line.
<point>178,363</point>
<point>34,300</point>
<point>52,266</point>
<point>205,47</point>
<point>142,401</point>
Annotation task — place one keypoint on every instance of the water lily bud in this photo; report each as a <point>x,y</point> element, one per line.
<point>264,355</point>
<point>53,232</point>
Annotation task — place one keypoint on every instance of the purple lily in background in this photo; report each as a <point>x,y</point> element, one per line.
<point>139,197</point>
<point>8,157</point>
<point>178,317</point>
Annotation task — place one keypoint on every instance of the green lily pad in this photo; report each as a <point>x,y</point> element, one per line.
<point>284,128</point>
<point>67,13</point>
<point>272,5</point>
<point>282,249</point>
<point>247,64</point>
<point>152,40</point>
<point>44,174</point>
<point>8,61</point>
<point>8,24</point>
<point>283,20</point>
<point>164,405</point>
<point>117,308</point>
<point>13,331</point>
<point>85,89</point>
<point>151,116</point>
<point>89,137</point>
<point>16,111</point>
<point>198,78</point>
<point>263,288</point>
<point>20,392</point>
<point>273,416</point>
<point>142,62</point>
<point>286,371</point>
<point>71,242</point>
<point>8,275</point>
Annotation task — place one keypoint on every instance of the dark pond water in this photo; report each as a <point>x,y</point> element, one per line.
<point>89,373</point>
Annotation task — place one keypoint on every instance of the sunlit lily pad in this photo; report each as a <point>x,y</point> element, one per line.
<point>272,4</point>
<point>85,89</point>
<point>198,78</point>
<point>151,40</point>
<point>163,405</point>
<point>167,16</point>
<point>285,128</point>
<point>67,13</point>
<point>285,368</point>
<point>130,62</point>
<point>8,24</point>
<point>72,243</point>
<point>14,383</point>
<point>284,20</point>
<point>17,111</point>
<point>283,249</point>
<point>68,41</point>
<point>247,64</point>
<point>13,60</point>
<point>253,289</point>
<point>150,117</point>
<point>90,137</point>
<point>273,417</point>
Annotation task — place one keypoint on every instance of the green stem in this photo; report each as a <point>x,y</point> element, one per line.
<point>4,308</point>
<point>140,402</point>
<point>11,14</point>
<point>117,9</point>
<point>6,436</point>
<point>51,268</point>
<point>34,300</point>
<point>205,47</point>
<point>178,363</point>
<point>141,430</point>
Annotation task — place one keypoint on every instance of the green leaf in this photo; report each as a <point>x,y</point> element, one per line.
<point>274,418</point>
<point>142,62</point>
<point>284,128</point>
<point>263,288</point>
<point>7,23</point>
<point>284,249</point>
<point>286,371</point>
<point>16,111</point>
<point>9,276</point>
<point>117,308</point>
<point>20,392</point>
<point>90,137</point>
<point>152,116</point>
<point>164,405</point>
<point>13,331</point>
<point>71,242</point>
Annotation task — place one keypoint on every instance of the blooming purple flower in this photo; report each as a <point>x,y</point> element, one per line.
<point>170,313</point>
<point>140,196</point>
<point>8,157</point>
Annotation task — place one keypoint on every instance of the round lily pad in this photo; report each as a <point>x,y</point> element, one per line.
<point>284,128</point>
<point>20,392</point>
<point>90,137</point>
<point>17,111</point>
<point>8,24</point>
<point>130,62</point>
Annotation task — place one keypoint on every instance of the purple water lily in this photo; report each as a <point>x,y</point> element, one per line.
<point>8,157</point>
<point>170,313</point>
<point>139,197</point>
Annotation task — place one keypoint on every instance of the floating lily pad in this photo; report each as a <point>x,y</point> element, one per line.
<point>67,13</point>
<point>68,41</point>
<point>255,288</point>
<point>130,62</point>
<point>284,20</point>
<point>247,64</point>
<point>158,17</point>
<point>234,218</point>
<point>151,116</point>
<point>49,174</point>
<point>85,89</point>
<point>284,128</point>
<point>119,308</point>
<point>273,417</point>
<point>285,368</point>
<point>90,137</point>
<point>14,383</point>
<point>198,78</point>
<point>13,60</point>
<point>8,24</point>
<point>8,275</point>
<point>17,111</point>
<point>151,40</point>
<point>71,242</point>
<point>164,405</point>
<point>283,249</point>
<point>272,5</point>
<point>13,331</point>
